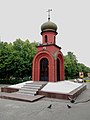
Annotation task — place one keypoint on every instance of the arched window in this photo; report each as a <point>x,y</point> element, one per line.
<point>54,39</point>
<point>44,69</point>
<point>46,38</point>
<point>58,70</point>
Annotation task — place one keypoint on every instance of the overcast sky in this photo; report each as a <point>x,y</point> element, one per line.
<point>23,19</point>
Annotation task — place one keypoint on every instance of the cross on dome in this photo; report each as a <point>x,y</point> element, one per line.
<point>49,10</point>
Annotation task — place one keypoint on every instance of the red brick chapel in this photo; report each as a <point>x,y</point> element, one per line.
<point>48,63</point>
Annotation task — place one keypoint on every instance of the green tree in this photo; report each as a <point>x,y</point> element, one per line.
<point>4,54</point>
<point>70,63</point>
<point>72,67</point>
<point>23,53</point>
<point>82,68</point>
<point>16,59</point>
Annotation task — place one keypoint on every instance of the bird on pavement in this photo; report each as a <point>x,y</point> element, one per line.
<point>68,106</point>
<point>49,106</point>
<point>71,100</point>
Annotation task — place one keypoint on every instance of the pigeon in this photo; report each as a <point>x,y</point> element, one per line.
<point>71,100</point>
<point>49,106</point>
<point>68,106</point>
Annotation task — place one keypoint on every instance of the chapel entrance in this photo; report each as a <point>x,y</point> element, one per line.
<point>58,70</point>
<point>44,69</point>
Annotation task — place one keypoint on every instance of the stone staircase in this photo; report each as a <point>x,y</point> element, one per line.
<point>32,88</point>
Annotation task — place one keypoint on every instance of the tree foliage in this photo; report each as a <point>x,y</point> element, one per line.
<point>72,67</point>
<point>16,59</point>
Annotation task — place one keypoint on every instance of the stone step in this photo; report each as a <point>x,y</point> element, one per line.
<point>23,93</point>
<point>33,87</point>
<point>38,83</point>
<point>29,89</point>
<point>28,92</point>
<point>32,84</point>
<point>25,90</point>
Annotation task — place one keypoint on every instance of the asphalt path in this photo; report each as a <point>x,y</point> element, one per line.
<point>47,109</point>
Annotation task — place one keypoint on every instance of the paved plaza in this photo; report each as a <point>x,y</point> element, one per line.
<point>17,110</point>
